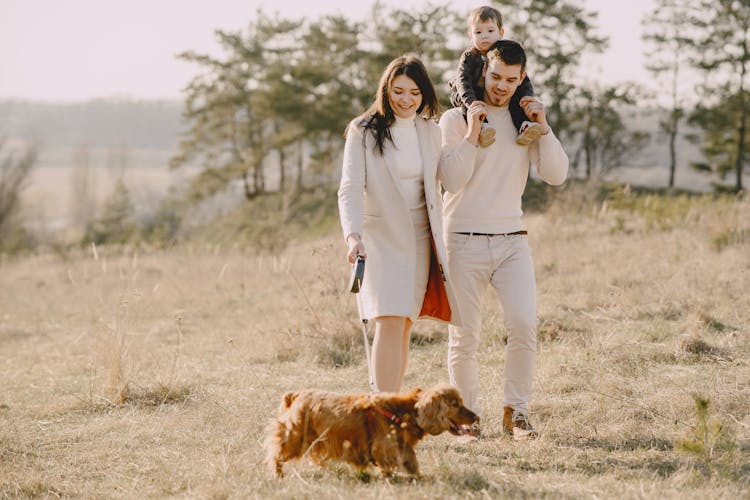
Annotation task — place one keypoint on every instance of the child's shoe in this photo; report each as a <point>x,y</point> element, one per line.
<point>486,136</point>
<point>529,132</point>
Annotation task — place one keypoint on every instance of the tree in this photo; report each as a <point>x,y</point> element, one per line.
<point>15,168</point>
<point>666,34</point>
<point>118,159</point>
<point>425,33</point>
<point>722,43</point>
<point>231,123</point>
<point>605,140</point>
<point>290,88</point>
<point>116,222</point>
<point>556,34</point>
<point>82,203</point>
<point>282,87</point>
<point>331,83</point>
<point>719,140</point>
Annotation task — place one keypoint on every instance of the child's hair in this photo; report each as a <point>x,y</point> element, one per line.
<point>380,116</point>
<point>508,51</point>
<point>484,13</point>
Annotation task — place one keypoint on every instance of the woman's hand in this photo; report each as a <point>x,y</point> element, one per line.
<point>356,248</point>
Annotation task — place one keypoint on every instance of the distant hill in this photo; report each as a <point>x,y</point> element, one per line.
<point>147,132</point>
<point>104,122</point>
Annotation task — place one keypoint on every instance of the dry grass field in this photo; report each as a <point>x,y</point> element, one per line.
<point>144,373</point>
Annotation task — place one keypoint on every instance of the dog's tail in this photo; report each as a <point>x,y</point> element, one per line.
<point>274,444</point>
<point>277,436</point>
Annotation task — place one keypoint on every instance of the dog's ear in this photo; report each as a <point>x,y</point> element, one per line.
<point>287,400</point>
<point>414,394</point>
<point>432,412</point>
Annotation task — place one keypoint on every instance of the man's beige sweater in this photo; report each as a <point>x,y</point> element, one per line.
<point>484,185</point>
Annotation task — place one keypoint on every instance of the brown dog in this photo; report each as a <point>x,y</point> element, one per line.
<point>380,429</point>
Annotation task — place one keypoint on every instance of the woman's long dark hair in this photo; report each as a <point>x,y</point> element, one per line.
<point>380,116</point>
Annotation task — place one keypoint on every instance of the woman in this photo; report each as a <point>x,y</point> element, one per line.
<point>391,214</point>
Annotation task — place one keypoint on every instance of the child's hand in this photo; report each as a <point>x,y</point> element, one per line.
<point>534,109</point>
<point>477,112</point>
<point>475,115</point>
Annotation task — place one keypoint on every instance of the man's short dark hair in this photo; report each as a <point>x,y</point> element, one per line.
<point>508,51</point>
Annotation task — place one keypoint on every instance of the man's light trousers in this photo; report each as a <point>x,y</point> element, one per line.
<point>504,263</point>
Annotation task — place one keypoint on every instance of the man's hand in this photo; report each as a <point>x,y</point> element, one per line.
<point>534,109</point>
<point>475,115</point>
<point>356,248</point>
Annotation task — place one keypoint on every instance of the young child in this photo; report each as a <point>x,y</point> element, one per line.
<point>486,28</point>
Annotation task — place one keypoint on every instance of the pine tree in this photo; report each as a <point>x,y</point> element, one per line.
<point>722,51</point>
<point>605,140</point>
<point>562,33</point>
<point>15,168</point>
<point>116,222</point>
<point>666,34</point>
<point>719,141</point>
<point>231,121</point>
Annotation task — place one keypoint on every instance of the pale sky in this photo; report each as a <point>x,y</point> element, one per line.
<point>74,50</point>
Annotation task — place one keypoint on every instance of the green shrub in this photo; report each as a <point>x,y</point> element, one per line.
<point>116,222</point>
<point>16,239</point>
<point>162,229</point>
<point>729,237</point>
<point>711,445</point>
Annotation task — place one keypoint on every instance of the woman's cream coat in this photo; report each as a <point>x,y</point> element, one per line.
<point>371,204</point>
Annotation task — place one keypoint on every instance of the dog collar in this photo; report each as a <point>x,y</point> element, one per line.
<point>389,415</point>
<point>394,418</point>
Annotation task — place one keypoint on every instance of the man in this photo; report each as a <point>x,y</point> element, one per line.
<point>486,241</point>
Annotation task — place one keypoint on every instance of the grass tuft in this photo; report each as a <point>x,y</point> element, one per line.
<point>339,350</point>
<point>149,397</point>
<point>711,323</point>
<point>159,395</point>
<point>433,337</point>
<point>363,476</point>
<point>728,237</point>
<point>699,348</point>
<point>34,489</point>
<point>463,480</point>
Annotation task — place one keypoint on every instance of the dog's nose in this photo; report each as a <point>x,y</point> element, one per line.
<point>470,415</point>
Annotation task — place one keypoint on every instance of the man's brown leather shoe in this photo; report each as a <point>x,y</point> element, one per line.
<point>516,423</point>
